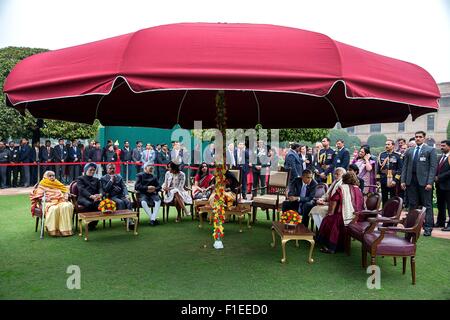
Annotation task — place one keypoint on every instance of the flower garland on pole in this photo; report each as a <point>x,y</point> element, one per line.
<point>219,198</point>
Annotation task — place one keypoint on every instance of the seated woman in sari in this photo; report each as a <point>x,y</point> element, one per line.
<point>231,189</point>
<point>203,186</point>
<point>90,191</point>
<point>343,204</point>
<point>58,209</point>
<point>320,210</point>
<point>173,187</point>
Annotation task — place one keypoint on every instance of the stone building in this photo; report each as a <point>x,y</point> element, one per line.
<point>434,124</point>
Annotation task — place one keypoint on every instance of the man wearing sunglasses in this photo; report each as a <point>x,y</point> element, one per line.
<point>418,173</point>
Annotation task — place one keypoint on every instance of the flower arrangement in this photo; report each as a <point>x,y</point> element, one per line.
<point>107,205</point>
<point>290,217</point>
<point>219,203</point>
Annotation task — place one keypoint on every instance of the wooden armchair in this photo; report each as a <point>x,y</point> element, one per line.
<point>166,206</point>
<point>136,202</point>
<point>388,216</point>
<point>386,242</point>
<point>277,188</point>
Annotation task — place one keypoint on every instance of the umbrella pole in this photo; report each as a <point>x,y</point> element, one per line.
<point>219,199</point>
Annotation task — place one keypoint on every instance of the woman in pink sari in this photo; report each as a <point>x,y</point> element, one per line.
<point>343,204</point>
<point>366,168</point>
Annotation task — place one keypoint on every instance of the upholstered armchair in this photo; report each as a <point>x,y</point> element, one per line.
<point>386,240</point>
<point>276,194</point>
<point>388,216</point>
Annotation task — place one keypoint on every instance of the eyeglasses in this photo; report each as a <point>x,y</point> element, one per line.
<point>419,137</point>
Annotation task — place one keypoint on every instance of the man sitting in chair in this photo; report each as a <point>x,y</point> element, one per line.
<point>301,196</point>
<point>148,186</point>
<point>114,188</point>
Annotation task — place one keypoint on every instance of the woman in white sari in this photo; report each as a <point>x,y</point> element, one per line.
<point>321,209</point>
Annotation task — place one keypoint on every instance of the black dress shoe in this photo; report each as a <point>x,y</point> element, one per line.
<point>439,225</point>
<point>446,228</point>
<point>154,222</point>
<point>427,233</point>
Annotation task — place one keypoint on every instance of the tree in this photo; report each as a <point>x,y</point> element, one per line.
<point>377,140</point>
<point>306,135</point>
<point>349,140</point>
<point>448,130</point>
<point>14,125</point>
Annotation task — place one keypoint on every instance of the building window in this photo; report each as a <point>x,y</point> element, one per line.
<point>375,127</point>
<point>351,130</point>
<point>430,122</point>
<point>401,127</point>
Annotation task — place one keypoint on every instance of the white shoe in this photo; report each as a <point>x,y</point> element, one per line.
<point>187,212</point>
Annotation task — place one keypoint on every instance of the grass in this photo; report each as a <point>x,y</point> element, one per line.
<point>170,262</point>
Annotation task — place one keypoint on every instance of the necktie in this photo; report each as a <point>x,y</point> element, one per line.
<point>415,158</point>
<point>441,163</point>
<point>303,191</point>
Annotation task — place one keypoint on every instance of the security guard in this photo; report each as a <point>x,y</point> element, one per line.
<point>389,170</point>
<point>324,172</point>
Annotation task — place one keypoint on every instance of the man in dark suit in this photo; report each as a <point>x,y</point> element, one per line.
<point>418,175</point>
<point>136,156</point>
<point>74,155</point>
<point>443,185</point>
<point>125,156</point>
<point>46,157</point>
<point>25,156</point>
<point>162,158</point>
<point>293,163</point>
<point>60,155</point>
<point>242,157</point>
<point>5,157</point>
<point>342,155</point>
<point>260,169</point>
<point>301,196</point>
<point>13,170</point>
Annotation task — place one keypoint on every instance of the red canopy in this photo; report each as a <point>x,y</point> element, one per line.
<point>278,76</point>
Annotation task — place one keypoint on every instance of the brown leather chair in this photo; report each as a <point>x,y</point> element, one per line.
<point>373,201</point>
<point>386,242</point>
<point>388,216</point>
<point>277,188</point>
<point>136,203</point>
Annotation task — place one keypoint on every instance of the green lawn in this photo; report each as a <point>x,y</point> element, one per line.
<point>170,262</point>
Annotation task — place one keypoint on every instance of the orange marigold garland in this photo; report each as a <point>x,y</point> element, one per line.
<point>107,205</point>
<point>219,199</point>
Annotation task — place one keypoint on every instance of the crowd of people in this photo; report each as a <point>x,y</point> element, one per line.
<point>409,170</point>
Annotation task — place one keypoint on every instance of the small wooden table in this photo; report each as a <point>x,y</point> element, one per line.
<point>87,217</point>
<point>240,211</point>
<point>299,233</point>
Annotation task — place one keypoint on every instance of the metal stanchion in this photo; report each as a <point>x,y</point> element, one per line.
<point>38,171</point>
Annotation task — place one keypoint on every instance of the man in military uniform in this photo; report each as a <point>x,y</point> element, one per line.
<point>389,170</point>
<point>326,158</point>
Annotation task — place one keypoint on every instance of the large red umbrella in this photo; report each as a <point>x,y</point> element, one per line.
<point>277,76</point>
